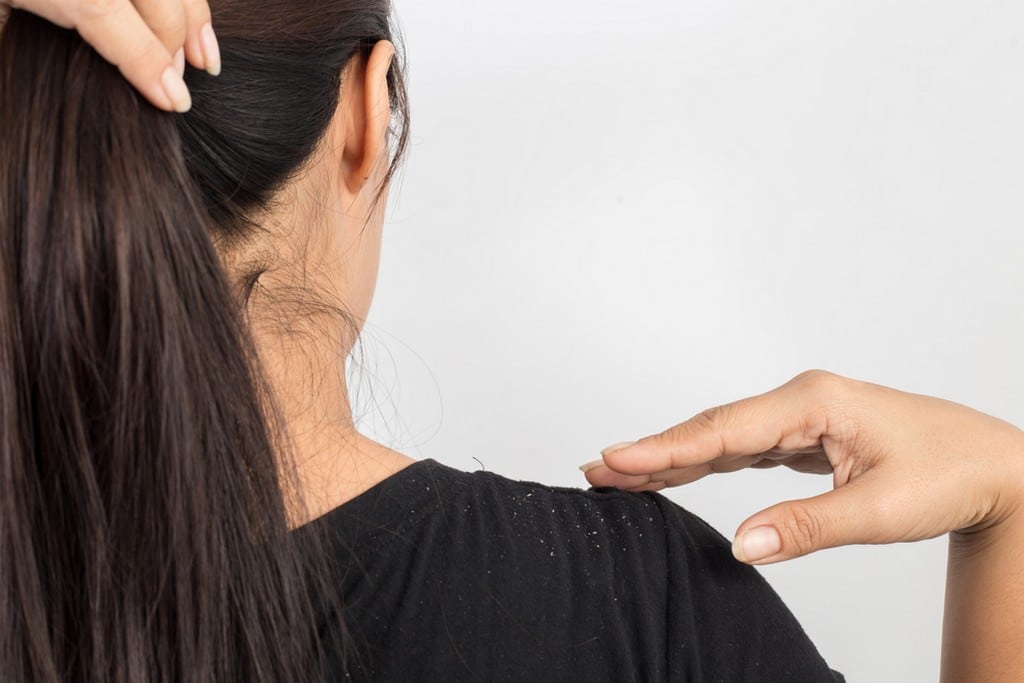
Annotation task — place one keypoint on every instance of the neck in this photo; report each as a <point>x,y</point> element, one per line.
<point>334,465</point>
<point>334,462</point>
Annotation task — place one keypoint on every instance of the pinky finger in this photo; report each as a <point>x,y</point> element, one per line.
<point>653,487</point>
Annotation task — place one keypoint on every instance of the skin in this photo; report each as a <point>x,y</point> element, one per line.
<point>325,233</point>
<point>148,40</point>
<point>905,467</point>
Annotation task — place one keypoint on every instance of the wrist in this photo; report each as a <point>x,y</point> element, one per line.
<point>984,604</point>
<point>1003,487</point>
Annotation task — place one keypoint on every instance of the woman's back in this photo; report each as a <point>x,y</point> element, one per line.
<point>179,299</point>
<point>449,576</point>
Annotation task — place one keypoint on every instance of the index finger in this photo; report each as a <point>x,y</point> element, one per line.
<point>793,416</point>
<point>118,32</point>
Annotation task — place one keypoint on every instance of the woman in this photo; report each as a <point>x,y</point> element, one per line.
<point>185,495</point>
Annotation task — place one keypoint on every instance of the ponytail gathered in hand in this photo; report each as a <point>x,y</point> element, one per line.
<point>147,40</point>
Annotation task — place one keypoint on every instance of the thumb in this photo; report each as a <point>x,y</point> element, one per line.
<point>845,516</point>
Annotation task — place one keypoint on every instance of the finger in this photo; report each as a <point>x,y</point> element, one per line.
<point>120,35</point>
<point>728,463</point>
<point>793,416</point>
<point>780,454</point>
<point>765,464</point>
<point>165,18</point>
<point>847,515</point>
<point>599,476</point>
<point>653,487</point>
<point>201,47</point>
<point>806,464</point>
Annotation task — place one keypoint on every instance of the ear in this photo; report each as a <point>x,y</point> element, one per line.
<point>367,102</point>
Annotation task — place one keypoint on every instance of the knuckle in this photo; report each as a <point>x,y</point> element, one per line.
<point>836,403</point>
<point>803,529</point>
<point>713,421</point>
<point>714,418</point>
<point>668,439</point>
<point>814,376</point>
<point>821,383</point>
<point>705,419</point>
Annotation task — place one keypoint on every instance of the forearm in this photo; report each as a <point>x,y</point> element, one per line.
<point>983,624</point>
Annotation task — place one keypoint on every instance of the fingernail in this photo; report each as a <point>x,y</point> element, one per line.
<point>179,61</point>
<point>176,90</point>
<point>211,51</point>
<point>591,465</point>
<point>756,544</point>
<point>617,447</point>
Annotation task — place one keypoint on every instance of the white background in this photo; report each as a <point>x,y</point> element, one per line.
<point>617,214</point>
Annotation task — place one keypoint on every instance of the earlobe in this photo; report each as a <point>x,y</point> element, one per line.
<point>370,118</point>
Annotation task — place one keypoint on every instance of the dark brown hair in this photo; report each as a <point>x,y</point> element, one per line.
<point>143,529</point>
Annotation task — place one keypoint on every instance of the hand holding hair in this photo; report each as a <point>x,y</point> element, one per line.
<point>148,40</point>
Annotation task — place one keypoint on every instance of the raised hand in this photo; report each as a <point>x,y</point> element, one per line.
<point>148,40</point>
<point>905,467</point>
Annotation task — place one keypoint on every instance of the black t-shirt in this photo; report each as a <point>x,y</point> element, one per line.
<point>456,576</point>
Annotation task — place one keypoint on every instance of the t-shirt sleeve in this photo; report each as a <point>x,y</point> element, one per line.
<point>725,622</point>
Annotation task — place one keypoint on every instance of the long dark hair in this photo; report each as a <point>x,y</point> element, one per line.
<point>143,522</point>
